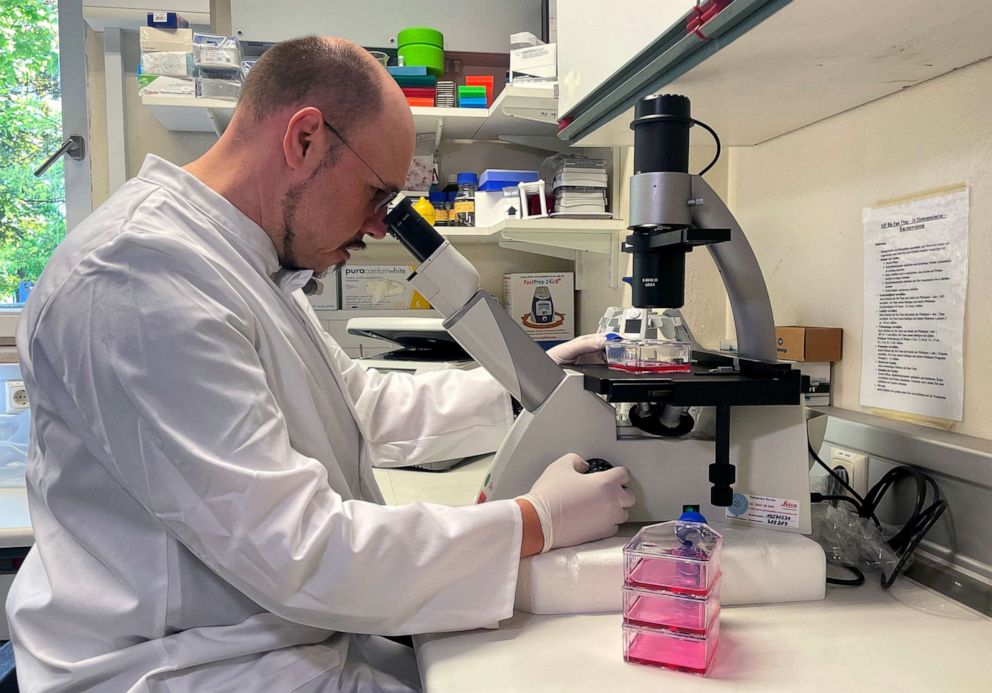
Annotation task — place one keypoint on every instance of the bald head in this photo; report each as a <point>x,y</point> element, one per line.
<point>320,134</point>
<point>337,76</point>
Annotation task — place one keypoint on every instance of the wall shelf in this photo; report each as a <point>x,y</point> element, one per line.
<point>518,112</point>
<point>131,14</point>
<point>567,239</point>
<point>788,64</point>
<point>582,234</point>
<point>190,114</point>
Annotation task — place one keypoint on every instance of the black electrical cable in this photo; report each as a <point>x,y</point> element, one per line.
<point>716,139</point>
<point>819,497</point>
<point>920,521</point>
<point>840,480</point>
<point>693,121</point>
<point>913,531</point>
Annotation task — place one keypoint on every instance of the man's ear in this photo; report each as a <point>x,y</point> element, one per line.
<point>305,142</point>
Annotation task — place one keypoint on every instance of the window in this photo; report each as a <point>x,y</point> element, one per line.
<point>32,209</point>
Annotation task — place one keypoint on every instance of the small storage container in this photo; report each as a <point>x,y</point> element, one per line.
<point>677,556</point>
<point>493,179</point>
<point>649,356</point>
<point>422,46</point>
<point>671,610</point>
<point>670,649</point>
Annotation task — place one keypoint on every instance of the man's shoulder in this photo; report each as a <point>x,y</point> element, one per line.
<point>139,240</point>
<point>140,217</point>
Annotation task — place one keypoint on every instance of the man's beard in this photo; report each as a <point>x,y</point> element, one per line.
<point>288,259</point>
<point>289,203</point>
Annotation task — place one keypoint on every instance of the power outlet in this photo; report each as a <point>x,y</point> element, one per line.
<point>856,465</point>
<point>15,397</point>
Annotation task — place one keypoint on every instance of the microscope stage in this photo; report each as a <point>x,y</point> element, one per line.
<point>759,385</point>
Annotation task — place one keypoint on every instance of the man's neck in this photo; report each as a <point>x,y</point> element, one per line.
<point>235,177</point>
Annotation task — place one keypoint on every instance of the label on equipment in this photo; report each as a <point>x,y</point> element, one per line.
<point>160,16</point>
<point>764,510</point>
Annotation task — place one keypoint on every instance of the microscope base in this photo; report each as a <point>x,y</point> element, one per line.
<point>768,449</point>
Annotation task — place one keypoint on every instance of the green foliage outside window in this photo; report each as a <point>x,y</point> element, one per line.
<point>32,210</point>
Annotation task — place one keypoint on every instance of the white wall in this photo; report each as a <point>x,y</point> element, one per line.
<point>799,199</point>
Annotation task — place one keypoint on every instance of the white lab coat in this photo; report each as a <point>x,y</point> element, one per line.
<point>199,479</point>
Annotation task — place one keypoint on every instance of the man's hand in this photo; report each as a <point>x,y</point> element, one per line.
<point>585,349</point>
<point>574,507</point>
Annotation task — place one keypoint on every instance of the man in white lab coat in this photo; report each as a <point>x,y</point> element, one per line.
<point>204,510</point>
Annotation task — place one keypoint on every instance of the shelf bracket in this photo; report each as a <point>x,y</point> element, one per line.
<point>437,135</point>
<point>548,143</point>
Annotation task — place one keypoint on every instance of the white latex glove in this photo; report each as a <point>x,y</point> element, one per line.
<point>575,507</point>
<point>589,348</point>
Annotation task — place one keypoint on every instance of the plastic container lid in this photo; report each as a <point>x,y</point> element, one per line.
<point>467,178</point>
<point>436,196</point>
<point>682,540</point>
<point>420,34</point>
<point>692,516</point>
<point>499,178</point>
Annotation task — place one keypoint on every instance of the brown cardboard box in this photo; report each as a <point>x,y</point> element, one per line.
<point>800,343</point>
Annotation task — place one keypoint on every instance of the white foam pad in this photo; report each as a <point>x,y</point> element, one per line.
<point>759,566</point>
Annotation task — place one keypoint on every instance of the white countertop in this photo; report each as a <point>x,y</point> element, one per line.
<point>858,639</point>
<point>15,522</point>
<point>863,638</point>
<point>457,486</point>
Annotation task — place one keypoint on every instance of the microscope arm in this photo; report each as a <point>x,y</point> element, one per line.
<point>674,199</point>
<point>741,275</point>
<point>472,317</point>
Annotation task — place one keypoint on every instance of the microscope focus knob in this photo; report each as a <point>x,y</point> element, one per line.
<point>722,475</point>
<point>597,464</point>
<point>721,496</point>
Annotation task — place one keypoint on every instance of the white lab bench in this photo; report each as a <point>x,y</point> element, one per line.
<point>15,522</point>
<point>863,638</point>
<point>907,639</point>
<point>15,537</point>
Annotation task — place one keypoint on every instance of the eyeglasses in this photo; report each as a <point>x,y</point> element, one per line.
<point>384,195</point>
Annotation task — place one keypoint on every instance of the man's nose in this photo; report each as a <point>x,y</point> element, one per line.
<point>375,225</point>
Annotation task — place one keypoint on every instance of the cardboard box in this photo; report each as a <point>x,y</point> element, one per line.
<point>379,287</point>
<point>534,61</point>
<point>153,40</point>
<point>155,85</point>
<point>543,304</point>
<point>167,20</point>
<point>327,296</point>
<point>801,343</point>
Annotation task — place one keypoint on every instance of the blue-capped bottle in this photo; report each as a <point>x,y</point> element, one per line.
<point>465,199</point>
<point>439,200</point>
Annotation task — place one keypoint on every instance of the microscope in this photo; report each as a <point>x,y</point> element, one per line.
<point>727,437</point>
